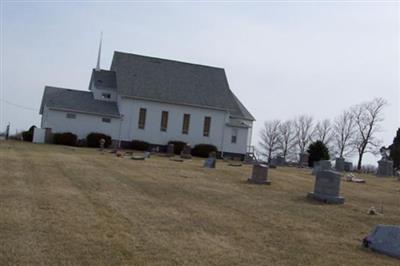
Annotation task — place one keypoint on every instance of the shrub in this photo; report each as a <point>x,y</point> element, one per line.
<point>81,143</point>
<point>395,150</point>
<point>66,138</point>
<point>27,135</point>
<point>178,146</point>
<point>318,151</point>
<point>140,145</point>
<point>93,140</point>
<point>203,150</point>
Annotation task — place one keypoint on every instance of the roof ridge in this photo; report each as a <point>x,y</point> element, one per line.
<point>62,88</point>
<point>170,60</point>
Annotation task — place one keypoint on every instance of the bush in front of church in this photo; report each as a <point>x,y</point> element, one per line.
<point>203,150</point>
<point>140,145</point>
<point>93,140</point>
<point>66,138</point>
<point>178,145</point>
<point>28,135</point>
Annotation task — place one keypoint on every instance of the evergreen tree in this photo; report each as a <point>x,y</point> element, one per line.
<point>395,150</point>
<point>318,151</point>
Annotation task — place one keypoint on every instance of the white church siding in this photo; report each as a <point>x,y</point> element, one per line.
<point>219,136</point>
<point>156,85</point>
<point>81,125</point>
<point>241,140</point>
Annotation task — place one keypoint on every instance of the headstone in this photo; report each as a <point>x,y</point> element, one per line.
<point>348,166</point>
<point>339,164</point>
<point>186,152</point>
<point>170,150</point>
<point>145,156</point>
<point>273,163</point>
<point>101,143</point>
<point>280,161</point>
<point>384,239</point>
<point>327,187</point>
<point>352,178</point>
<point>259,174</point>
<point>155,150</point>
<point>358,180</point>
<point>321,165</point>
<point>138,157</point>
<point>385,167</point>
<point>235,164</point>
<point>176,159</point>
<point>211,161</point>
<point>303,162</point>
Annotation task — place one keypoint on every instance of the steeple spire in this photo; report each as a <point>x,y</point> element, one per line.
<point>98,56</point>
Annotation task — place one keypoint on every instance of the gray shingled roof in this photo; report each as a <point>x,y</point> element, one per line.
<point>175,82</point>
<point>74,100</point>
<point>104,79</point>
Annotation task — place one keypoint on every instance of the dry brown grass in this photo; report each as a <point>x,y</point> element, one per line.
<point>65,206</point>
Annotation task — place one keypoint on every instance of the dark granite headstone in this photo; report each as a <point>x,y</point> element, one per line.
<point>385,168</point>
<point>259,174</point>
<point>384,239</point>
<point>321,165</point>
<point>327,187</point>
<point>170,150</point>
<point>272,163</point>
<point>185,154</point>
<point>348,166</point>
<point>339,164</point>
<point>303,161</point>
<point>280,161</point>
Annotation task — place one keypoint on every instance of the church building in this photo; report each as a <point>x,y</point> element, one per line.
<point>153,100</point>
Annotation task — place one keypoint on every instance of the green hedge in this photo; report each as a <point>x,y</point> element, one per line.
<point>140,145</point>
<point>27,136</point>
<point>93,140</point>
<point>66,138</point>
<point>178,146</point>
<point>203,150</point>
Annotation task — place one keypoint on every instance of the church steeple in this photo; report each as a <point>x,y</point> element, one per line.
<point>99,55</point>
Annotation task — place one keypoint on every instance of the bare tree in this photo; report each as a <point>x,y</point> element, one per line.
<point>286,139</point>
<point>303,129</point>
<point>323,131</point>
<point>367,118</point>
<point>343,133</point>
<point>269,138</point>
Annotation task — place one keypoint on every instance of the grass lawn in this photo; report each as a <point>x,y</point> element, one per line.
<point>75,206</point>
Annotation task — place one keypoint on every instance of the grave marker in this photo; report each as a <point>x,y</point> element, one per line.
<point>211,161</point>
<point>259,174</point>
<point>327,187</point>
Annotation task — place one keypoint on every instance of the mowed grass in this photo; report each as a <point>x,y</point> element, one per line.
<point>75,206</point>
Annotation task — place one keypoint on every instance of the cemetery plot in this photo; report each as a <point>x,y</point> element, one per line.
<point>63,206</point>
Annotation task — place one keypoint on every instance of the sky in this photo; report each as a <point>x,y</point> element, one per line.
<point>281,59</point>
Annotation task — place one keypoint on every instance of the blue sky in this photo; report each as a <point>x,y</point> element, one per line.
<point>281,60</point>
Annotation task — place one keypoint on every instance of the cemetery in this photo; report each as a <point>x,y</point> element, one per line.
<point>64,205</point>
